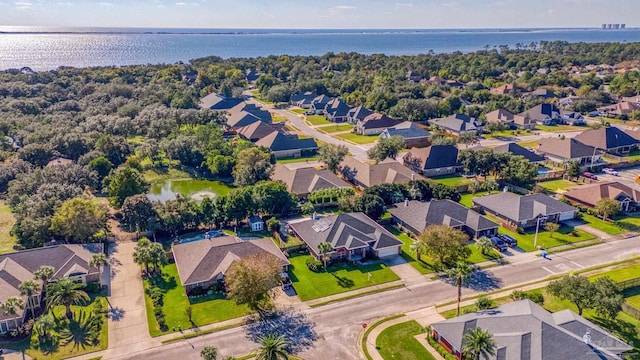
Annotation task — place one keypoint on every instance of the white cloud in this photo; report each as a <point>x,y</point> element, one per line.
<point>23,5</point>
<point>180,4</point>
<point>339,8</point>
<point>105,4</point>
<point>66,3</point>
<point>404,5</point>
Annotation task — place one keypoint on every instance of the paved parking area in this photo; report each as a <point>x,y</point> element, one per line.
<point>625,176</point>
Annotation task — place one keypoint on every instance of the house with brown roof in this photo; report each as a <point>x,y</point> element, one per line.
<point>353,236</point>
<point>253,109</point>
<point>219,102</point>
<point>375,124</point>
<point>505,117</point>
<point>608,138</point>
<point>590,195</point>
<point>59,161</point>
<point>283,145</point>
<point>560,150</point>
<point>257,130</point>
<point>68,261</point>
<point>433,160</point>
<point>203,263</point>
<point>503,89</point>
<point>304,181</point>
<point>367,174</point>
<point>621,109</point>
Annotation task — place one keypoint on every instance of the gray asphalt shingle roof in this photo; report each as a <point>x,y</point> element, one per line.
<point>215,101</point>
<point>303,181</point>
<point>516,149</point>
<point>408,130</point>
<point>277,141</point>
<point>521,208</point>
<point>419,215</point>
<point>456,123</point>
<point>606,138</point>
<point>434,157</point>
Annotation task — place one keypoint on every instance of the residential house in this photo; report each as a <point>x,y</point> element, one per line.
<point>566,101</point>
<point>357,114</point>
<point>336,110</point>
<point>541,93</point>
<point>609,138</point>
<point>515,149</point>
<point>256,223</point>
<point>436,80</point>
<point>202,264</point>
<point>503,89</point>
<point>257,130</point>
<point>572,118</point>
<point>524,211</point>
<point>253,109</point>
<point>621,109</point>
<point>507,118</point>
<point>241,119</point>
<point>412,133</point>
<point>375,124</point>
<point>282,145</point>
<point>366,174</point>
<point>457,124</point>
<point>455,84</point>
<point>304,181</point>
<point>413,76</point>
<point>433,160</point>
<point>67,260</point>
<point>251,75</point>
<point>525,330</point>
<point>319,103</point>
<point>215,101</point>
<point>303,100</point>
<point>546,114</point>
<point>590,195</point>
<point>560,150</point>
<point>353,236</point>
<point>417,215</point>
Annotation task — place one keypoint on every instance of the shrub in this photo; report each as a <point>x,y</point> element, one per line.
<point>440,349</point>
<point>518,295</point>
<point>520,230</point>
<point>314,264</point>
<point>484,302</point>
<point>536,297</point>
<point>92,288</point>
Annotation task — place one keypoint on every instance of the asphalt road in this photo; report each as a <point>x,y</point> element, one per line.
<point>338,325</point>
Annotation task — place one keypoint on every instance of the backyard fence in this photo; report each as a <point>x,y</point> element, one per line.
<point>631,310</point>
<point>629,283</point>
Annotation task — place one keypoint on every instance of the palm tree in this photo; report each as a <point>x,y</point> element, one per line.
<point>44,273</point>
<point>44,323</point>
<point>142,253</point>
<point>484,244</point>
<point>418,247</point>
<point>65,292</point>
<point>324,248</point>
<point>209,353</point>
<point>460,273</point>
<point>273,347</point>
<point>478,343</point>
<point>99,260</point>
<point>30,288</point>
<point>157,256</point>
<point>11,307</point>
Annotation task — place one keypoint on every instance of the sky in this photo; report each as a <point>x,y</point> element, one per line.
<point>322,14</point>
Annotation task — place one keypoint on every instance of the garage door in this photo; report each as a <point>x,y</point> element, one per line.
<point>567,216</point>
<point>388,251</point>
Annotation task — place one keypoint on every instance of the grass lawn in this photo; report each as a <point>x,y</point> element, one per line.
<point>298,111</point>
<point>154,175</point>
<point>7,241</point>
<point>317,120</point>
<point>206,310</point>
<point>561,237</point>
<point>632,296</point>
<point>465,199</point>
<point>335,128</point>
<point>339,277</point>
<point>398,342</point>
<point>72,336</point>
<point>422,266</point>
<point>633,155</point>
<point>297,159</point>
<point>477,256</point>
<point>529,144</point>
<point>359,139</point>
<point>607,226</point>
<point>560,128</point>
<point>452,180</point>
<point>620,274</point>
<point>557,186</point>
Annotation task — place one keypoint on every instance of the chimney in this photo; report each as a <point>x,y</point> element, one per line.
<point>413,176</point>
<point>406,202</point>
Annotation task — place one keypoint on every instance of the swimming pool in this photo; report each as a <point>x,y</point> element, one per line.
<point>205,235</point>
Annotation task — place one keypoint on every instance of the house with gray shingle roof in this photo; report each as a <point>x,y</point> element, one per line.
<point>413,135</point>
<point>304,181</point>
<point>352,236</point>
<point>68,261</point>
<point>283,145</point>
<point>367,174</point>
<point>318,104</point>
<point>457,124</point>
<point>375,123</point>
<point>515,149</point>
<point>523,211</point>
<point>433,160</point>
<point>525,330</point>
<point>358,113</point>
<point>336,110</point>
<point>215,101</point>
<point>560,150</point>
<point>417,215</point>
<point>203,263</point>
<point>609,138</point>
<point>303,100</point>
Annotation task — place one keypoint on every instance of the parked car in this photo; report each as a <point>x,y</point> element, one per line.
<point>610,171</point>
<point>310,112</point>
<point>499,244</point>
<point>589,175</point>
<point>510,241</point>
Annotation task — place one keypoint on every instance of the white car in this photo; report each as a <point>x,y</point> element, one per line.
<point>610,171</point>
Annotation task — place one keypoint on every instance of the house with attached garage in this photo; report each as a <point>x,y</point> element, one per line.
<point>525,330</point>
<point>545,114</point>
<point>202,264</point>
<point>560,150</point>
<point>336,110</point>
<point>433,160</point>
<point>507,118</point>
<point>524,211</point>
<point>609,138</point>
<point>215,101</point>
<point>367,174</point>
<point>304,181</point>
<point>353,236</point>
<point>319,103</point>
<point>375,124</point>
<point>590,195</point>
<point>283,145</point>
<point>303,100</point>
<point>515,149</point>
<point>412,133</point>
<point>67,260</point>
<point>418,215</point>
<point>457,124</point>
<point>358,113</point>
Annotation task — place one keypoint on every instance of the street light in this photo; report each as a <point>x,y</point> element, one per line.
<point>540,218</point>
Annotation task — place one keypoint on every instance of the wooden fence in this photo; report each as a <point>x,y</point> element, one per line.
<point>634,312</point>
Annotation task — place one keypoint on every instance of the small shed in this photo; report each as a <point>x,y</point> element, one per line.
<point>256,223</point>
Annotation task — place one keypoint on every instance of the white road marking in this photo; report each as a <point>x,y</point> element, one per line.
<point>578,265</point>
<point>549,270</point>
<point>562,267</point>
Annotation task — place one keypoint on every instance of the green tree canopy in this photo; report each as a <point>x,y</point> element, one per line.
<point>253,165</point>
<point>444,244</point>
<point>250,280</point>
<point>332,155</point>
<point>386,148</point>
<point>78,220</point>
<point>125,182</point>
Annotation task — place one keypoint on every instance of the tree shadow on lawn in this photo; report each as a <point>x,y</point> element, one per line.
<point>79,331</point>
<point>479,281</point>
<point>292,324</point>
<point>625,330</point>
<point>163,281</point>
<point>343,281</point>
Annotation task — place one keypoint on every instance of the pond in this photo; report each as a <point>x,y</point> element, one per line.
<point>196,189</point>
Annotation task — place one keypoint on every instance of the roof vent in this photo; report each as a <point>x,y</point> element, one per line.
<point>321,225</point>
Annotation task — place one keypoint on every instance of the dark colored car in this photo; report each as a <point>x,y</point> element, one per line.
<point>510,241</point>
<point>590,175</point>
<point>499,244</point>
